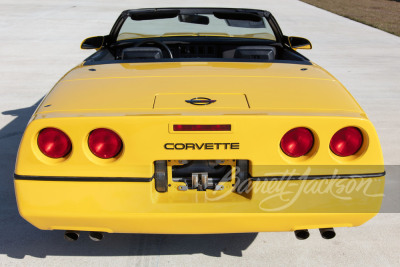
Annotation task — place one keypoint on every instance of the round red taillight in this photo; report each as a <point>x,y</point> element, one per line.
<point>346,141</point>
<point>297,142</point>
<point>104,143</point>
<point>54,143</point>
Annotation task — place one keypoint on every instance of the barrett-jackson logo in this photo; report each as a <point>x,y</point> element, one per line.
<point>201,146</point>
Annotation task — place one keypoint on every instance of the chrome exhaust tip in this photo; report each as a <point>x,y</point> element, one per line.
<point>96,236</point>
<point>302,234</point>
<point>327,233</point>
<point>71,235</point>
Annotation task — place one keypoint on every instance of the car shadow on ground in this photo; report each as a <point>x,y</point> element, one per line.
<point>19,238</point>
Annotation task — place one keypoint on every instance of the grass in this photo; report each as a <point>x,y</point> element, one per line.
<point>381,14</point>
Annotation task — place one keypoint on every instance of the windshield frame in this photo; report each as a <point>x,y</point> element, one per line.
<point>112,38</point>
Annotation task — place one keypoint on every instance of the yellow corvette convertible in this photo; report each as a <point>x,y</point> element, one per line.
<point>198,121</point>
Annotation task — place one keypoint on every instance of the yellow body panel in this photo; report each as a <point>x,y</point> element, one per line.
<point>132,88</point>
<point>137,208</point>
<point>142,101</point>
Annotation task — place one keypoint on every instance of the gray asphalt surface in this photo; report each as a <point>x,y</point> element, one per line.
<point>40,42</point>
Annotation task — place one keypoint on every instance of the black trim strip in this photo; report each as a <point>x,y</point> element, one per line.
<point>318,177</point>
<point>82,179</point>
<point>137,179</point>
<point>90,62</point>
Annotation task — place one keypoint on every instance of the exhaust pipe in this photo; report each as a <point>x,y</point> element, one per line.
<point>71,235</point>
<point>327,233</point>
<point>96,236</point>
<point>302,234</point>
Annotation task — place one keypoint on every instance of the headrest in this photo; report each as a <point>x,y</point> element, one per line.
<point>255,52</point>
<point>141,53</point>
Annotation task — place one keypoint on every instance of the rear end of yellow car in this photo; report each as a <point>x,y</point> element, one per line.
<point>195,173</point>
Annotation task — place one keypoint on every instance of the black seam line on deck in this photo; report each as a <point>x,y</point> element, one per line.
<point>138,179</point>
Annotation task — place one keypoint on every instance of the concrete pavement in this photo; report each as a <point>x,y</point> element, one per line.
<point>40,42</point>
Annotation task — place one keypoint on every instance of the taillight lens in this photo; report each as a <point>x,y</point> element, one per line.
<point>104,143</point>
<point>297,142</point>
<point>54,143</point>
<point>346,141</point>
